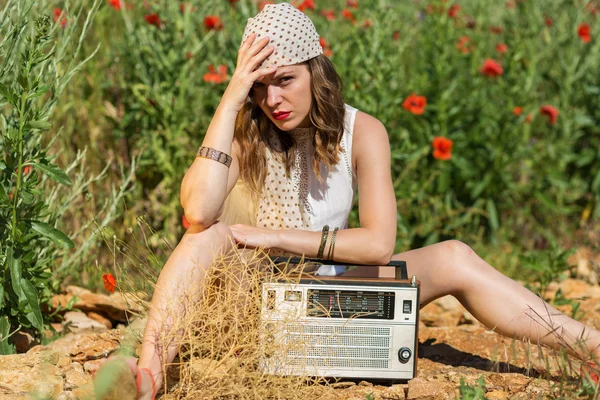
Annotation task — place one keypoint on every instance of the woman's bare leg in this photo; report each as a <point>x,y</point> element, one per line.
<point>177,288</point>
<point>497,301</point>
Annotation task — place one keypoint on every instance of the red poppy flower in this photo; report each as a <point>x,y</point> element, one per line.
<point>528,118</point>
<point>366,24</point>
<point>511,4</point>
<point>442,148</point>
<point>109,282</point>
<point>116,4</point>
<point>584,33</point>
<point>57,17</point>
<point>307,4</point>
<point>464,45</point>
<point>501,48</point>
<point>396,35</point>
<point>186,224</point>
<point>491,68</point>
<point>27,169</point>
<point>329,14</point>
<point>213,22</point>
<point>213,76</point>
<point>548,21</point>
<point>348,15</point>
<point>153,19</point>
<point>352,3</point>
<point>232,2</point>
<point>517,110</point>
<point>453,10</point>
<point>415,104</point>
<point>551,112</point>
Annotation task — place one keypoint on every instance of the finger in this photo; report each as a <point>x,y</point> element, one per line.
<point>255,61</point>
<point>260,72</point>
<point>254,49</point>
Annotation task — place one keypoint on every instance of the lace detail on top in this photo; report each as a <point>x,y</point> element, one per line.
<point>300,172</point>
<point>284,202</point>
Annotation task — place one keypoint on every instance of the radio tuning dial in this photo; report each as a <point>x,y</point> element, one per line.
<point>404,354</point>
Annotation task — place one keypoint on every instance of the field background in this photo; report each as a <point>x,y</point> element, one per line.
<point>522,185</point>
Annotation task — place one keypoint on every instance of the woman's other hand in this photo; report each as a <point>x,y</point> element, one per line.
<point>250,55</point>
<point>253,237</point>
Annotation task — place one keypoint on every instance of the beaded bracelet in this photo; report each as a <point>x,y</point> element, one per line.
<point>332,245</point>
<point>214,154</point>
<point>324,236</point>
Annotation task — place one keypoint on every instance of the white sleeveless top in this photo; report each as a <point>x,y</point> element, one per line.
<point>319,203</point>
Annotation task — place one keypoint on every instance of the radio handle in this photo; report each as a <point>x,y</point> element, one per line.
<point>401,272</point>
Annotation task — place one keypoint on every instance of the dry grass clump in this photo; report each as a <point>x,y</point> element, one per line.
<point>219,335</point>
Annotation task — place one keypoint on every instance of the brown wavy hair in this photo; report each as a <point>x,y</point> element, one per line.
<point>326,115</point>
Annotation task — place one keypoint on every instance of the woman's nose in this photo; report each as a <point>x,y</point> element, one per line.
<point>273,95</point>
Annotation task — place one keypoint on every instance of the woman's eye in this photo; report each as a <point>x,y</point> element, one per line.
<point>257,85</point>
<point>286,78</point>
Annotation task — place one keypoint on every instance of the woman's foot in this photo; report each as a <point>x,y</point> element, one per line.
<point>134,383</point>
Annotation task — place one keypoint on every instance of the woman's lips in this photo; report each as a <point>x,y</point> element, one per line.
<point>281,116</point>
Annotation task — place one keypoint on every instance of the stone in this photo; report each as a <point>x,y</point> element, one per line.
<point>23,341</point>
<point>75,377</point>
<point>343,385</point>
<point>364,383</point>
<point>116,307</point>
<point>99,318</point>
<point>83,347</point>
<point>420,389</point>
<point>78,322</point>
<point>395,392</point>
<point>32,373</point>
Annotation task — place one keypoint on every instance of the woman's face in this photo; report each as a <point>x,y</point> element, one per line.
<point>285,96</point>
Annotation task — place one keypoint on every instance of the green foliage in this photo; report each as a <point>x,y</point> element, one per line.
<point>476,392</point>
<point>29,238</point>
<point>546,266</point>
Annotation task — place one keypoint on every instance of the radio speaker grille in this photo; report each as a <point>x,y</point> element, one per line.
<point>336,346</point>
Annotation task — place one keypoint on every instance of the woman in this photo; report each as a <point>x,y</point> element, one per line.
<point>281,159</point>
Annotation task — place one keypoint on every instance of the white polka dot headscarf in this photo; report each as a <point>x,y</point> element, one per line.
<point>289,30</point>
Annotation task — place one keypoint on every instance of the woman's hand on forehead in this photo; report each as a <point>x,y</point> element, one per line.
<point>250,56</point>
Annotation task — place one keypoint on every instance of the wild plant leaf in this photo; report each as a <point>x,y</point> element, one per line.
<point>5,346</point>
<point>6,93</point>
<point>53,234</point>
<point>23,82</point>
<point>43,125</point>
<point>27,197</point>
<point>53,172</point>
<point>35,315</point>
<point>3,196</point>
<point>14,267</point>
<point>40,91</point>
<point>492,215</point>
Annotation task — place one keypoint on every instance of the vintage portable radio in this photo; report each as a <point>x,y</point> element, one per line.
<point>357,328</point>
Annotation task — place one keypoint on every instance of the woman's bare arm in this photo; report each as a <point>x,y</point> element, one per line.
<point>207,183</point>
<point>372,243</point>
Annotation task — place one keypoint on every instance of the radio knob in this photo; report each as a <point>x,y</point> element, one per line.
<point>404,354</point>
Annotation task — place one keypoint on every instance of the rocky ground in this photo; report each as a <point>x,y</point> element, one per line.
<point>454,348</point>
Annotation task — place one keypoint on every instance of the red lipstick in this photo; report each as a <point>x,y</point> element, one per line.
<point>281,115</point>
